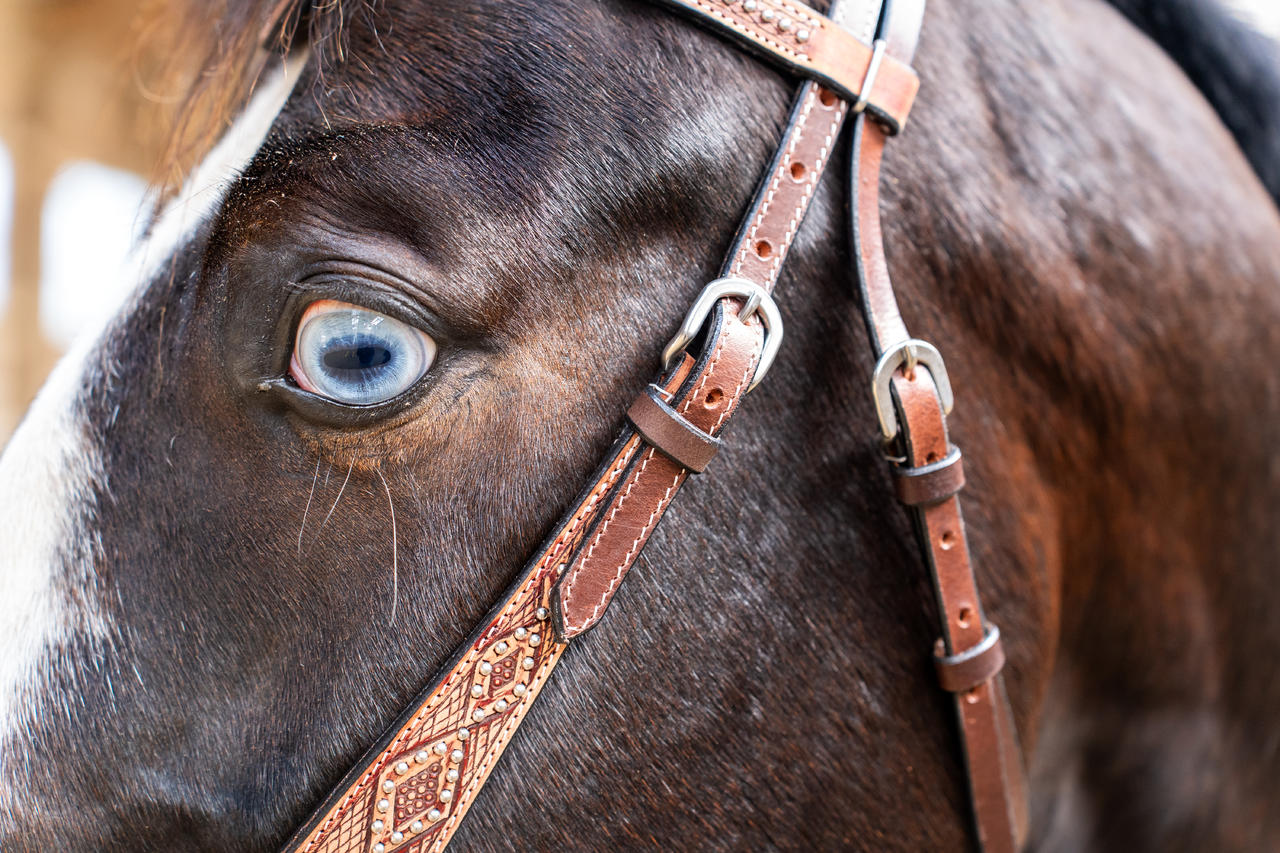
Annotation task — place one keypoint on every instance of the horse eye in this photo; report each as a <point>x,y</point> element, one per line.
<point>356,356</point>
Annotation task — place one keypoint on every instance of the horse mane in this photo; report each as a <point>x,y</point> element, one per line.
<point>1233,65</point>
<point>216,50</point>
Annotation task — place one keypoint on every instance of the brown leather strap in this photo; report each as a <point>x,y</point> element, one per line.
<point>611,547</point>
<point>449,739</point>
<point>589,584</point>
<point>814,46</point>
<point>671,432</point>
<point>971,668</point>
<point>930,482</point>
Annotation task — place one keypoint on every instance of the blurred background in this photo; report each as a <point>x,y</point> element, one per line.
<point>83,122</point>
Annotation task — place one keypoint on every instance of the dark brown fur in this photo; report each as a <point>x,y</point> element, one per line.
<point>1064,217</point>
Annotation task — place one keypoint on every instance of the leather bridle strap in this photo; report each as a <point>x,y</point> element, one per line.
<point>822,49</point>
<point>913,396</point>
<point>414,787</point>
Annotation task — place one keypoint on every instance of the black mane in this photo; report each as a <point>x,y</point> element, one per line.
<point>1236,67</point>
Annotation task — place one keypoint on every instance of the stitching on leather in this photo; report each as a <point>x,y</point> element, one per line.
<point>736,396</point>
<point>620,570</point>
<point>811,186</point>
<point>746,248</point>
<point>586,560</point>
<point>754,34</point>
<point>433,700</point>
<point>502,738</point>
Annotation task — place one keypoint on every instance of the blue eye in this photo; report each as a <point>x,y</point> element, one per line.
<point>355,356</point>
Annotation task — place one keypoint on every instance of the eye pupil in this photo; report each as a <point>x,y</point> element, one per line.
<point>356,358</point>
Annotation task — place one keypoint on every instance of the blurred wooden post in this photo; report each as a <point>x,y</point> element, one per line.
<point>67,91</point>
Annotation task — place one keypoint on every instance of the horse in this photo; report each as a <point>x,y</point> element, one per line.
<point>216,590</point>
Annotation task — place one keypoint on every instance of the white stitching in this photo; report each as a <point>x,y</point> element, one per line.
<point>426,708</point>
<point>812,185</point>
<point>620,570</point>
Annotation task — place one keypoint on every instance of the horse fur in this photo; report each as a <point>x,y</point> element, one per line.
<point>545,186</point>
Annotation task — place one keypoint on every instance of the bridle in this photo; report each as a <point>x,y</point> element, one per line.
<point>413,788</point>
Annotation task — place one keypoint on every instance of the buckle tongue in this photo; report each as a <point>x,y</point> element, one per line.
<point>756,301</point>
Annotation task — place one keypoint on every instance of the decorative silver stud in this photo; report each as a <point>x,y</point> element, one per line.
<point>527,663</point>
<point>477,714</point>
<point>446,795</point>
<point>768,15</point>
<point>784,24</point>
<point>500,705</point>
<point>541,612</point>
<point>384,805</point>
<point>433,814</point>
<point>802,36</point>
<point>520,689</point>
<point>749,5</point>
<point>463,734</point>
<point>416,826</point>
<point>402,767</point>
<point>442,748</point>
<point>501,648</point>
<point>422,756</point>
<point>477,691</point>
<point>455,756</point>
<point>535,640</point>
<point>522,632</point>
<point>486,668</point>
<point>377,826</point>
<point>452,775</point>
<point>397,836</point>
<point>388,786</point>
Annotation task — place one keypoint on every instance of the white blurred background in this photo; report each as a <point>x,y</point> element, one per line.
<point>72,196</point>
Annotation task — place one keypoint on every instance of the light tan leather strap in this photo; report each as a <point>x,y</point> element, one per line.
<point>928,479</point>
<point>819,48</point>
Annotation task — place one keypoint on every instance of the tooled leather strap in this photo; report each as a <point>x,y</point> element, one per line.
<point>929,477</point>
<point>412,789</point>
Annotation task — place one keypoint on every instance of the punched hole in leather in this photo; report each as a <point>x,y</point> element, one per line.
<point>669,431</point>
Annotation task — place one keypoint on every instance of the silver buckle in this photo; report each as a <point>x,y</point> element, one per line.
<point>909,354</point>
<point>756,301</point>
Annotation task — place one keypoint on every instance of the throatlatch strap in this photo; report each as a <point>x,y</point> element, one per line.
<point>993,758</point>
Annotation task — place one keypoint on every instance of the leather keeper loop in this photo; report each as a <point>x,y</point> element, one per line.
<point>973,667</point>
<point>665,428</point>
<point>930,484</point>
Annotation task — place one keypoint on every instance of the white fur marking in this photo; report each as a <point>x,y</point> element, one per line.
<point>51,470</point>
<point>207,186</point>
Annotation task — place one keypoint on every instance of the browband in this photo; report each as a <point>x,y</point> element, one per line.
<point>812,45</point>
<point>412,789</point>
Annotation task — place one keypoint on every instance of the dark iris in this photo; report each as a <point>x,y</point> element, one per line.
<point>356,358</point>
